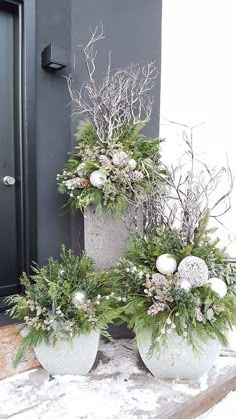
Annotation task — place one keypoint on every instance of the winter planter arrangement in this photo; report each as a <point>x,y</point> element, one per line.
<point>113,164</point>
<point>179,289</point>
<point>66,307</point>
<point>177,309</point>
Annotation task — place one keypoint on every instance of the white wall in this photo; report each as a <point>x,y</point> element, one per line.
<point>199,84</point>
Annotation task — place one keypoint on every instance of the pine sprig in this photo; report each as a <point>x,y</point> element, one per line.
<point>47,306</point>
<point>121,186</point>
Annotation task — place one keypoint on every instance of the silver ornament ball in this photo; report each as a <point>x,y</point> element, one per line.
<point>132,164</point>
<point>79,298</point>
<point>80,169</point>
<point>98,179</point>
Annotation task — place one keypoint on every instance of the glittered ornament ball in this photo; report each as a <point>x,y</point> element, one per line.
<point>80,169</point>
<point>193,270</point>
<point>79,298</point>
<point>218,286</point>
<point>98,179</point>
<point>166,264</point>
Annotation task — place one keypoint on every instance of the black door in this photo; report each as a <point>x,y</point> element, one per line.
<point>9,183</point>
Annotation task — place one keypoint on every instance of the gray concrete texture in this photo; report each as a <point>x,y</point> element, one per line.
<point>106,235</point>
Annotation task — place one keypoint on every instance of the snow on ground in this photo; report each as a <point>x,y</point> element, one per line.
<point>224,409</point>
<point>119,387</point>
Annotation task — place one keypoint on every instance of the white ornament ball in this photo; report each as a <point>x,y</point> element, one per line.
<point>193,270</point>
<point>61,272</point>
<point>185,285</point>
<point>98,179</point>
<point>219,286</point>
<point>132,164</point>
<point>79,298</point>
<point>120,158</point>
<point>166,264</point>
<point>80,169</point>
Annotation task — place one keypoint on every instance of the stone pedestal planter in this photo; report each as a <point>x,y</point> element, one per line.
<point>105,236</point>
<point>177,359</point>
<point>76,357</point>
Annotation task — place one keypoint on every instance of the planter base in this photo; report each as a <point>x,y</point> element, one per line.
<point>76,357</point>
<point>177,359</point>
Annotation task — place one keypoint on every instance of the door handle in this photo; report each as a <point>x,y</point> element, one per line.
<point>9,180</point>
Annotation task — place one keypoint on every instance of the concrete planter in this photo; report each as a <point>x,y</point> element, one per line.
<point>177,359</point>
<point>231,336</point>
<point>105,236</point>
<point>76,357</point>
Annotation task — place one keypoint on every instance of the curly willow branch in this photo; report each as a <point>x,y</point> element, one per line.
<point>122,99</point>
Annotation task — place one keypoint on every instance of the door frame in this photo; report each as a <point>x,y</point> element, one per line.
<point>25,131</point>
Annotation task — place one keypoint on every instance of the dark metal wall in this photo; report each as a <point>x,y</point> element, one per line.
<point>133,34</point>
<point>53,25</point>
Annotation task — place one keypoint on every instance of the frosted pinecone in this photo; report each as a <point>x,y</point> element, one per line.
<point>199,315</point>
<point>104,160</point>
<point>120,158</point>
<point>158,280</point>
<point>155,308</point>
<point>135,176</point>
<point>77,183</point>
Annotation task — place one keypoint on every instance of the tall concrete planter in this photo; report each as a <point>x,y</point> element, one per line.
<point>106,235</point>
<point>105,239</point>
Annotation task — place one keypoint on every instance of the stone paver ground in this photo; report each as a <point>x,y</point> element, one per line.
<point>9,342</point>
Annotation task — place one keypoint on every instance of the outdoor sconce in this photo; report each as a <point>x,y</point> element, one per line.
<point>54,57</point>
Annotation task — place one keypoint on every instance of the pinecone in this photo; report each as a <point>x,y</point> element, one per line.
<point>159,280</point>
<point>83,184</point>
<point>135,176</point>
<point>77,183</point>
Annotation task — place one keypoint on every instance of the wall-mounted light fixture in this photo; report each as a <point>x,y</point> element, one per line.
<point>54,57</point>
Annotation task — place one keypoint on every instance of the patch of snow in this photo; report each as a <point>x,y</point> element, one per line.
<point>119,387</point>
<point>224,409</point>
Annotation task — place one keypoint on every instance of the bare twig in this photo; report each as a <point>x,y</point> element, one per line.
<point>191,191</point>
<point>122,99</point>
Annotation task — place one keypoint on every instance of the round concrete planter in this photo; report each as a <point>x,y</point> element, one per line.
<point>176,359</point>
<point>76,357</point>
<point>231,336</point>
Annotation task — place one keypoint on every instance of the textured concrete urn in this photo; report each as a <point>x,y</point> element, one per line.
<point>105,236</point>
<point>76,357</point>
<point>177,359</point>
